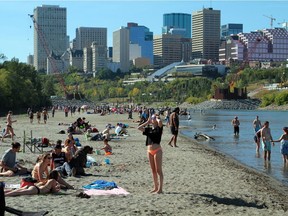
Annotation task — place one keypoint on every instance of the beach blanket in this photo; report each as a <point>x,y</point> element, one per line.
<point>114,191</point>
<point>101,185</point>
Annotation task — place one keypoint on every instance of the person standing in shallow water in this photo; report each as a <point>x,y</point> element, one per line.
<point>235,122</point>
<point>266,141</point>
<point>154,150</point>
<point>284,145</point>
<point>257,124</point>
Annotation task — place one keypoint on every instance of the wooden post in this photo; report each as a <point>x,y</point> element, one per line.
<point>24,142</point>
<point>31,137</point>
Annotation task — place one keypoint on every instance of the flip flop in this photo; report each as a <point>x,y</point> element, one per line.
<point>83,195</point>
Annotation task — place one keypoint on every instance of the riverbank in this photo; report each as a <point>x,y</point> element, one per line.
<point>198,180</point>
<point>241,104</point>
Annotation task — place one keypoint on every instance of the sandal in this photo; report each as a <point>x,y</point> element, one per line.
<point>83,195</point>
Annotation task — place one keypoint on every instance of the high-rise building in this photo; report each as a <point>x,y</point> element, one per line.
<point>206,34</point>
<point>99,56</point>
<point>86,35</point>
<point>142,36</point>
<point>177,23</point>
<point>231,29</point>
<point>50,35</point>
<point>169,49</point>
<point>121,41</point>
<point>95,38</point>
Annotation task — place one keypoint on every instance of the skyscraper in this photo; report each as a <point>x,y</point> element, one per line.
<point>231,29</point>
<point>50,34</point>
<point>169,49</point>
<point>121,43</point>
<point>142,36</point>
<point>177,23</point>
<point>92,41</point>
<point>86,35</point>
<point>206,34</point>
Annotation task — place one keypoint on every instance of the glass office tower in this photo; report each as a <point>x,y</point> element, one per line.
<point>177,23</point>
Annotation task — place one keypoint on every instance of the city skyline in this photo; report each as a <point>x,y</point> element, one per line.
<point>16,39</point>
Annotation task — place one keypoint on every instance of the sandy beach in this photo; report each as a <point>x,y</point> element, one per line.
<point>197,180</point>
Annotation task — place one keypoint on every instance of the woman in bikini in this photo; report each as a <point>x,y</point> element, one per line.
<point>40,172</point>
<point>50,186</point>
<point>153,138</point>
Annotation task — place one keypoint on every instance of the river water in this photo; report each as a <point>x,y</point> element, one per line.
<point>241,148</point>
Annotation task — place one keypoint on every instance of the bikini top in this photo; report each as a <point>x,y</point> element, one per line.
<point>153,135</point>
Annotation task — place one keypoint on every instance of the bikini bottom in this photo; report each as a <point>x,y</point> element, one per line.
<point>154,151</point>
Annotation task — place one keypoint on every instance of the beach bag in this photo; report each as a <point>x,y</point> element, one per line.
<point>44,142</point>
<point>27,181</point>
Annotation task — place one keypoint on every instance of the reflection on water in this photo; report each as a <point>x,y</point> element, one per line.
<point>217,124</point>
<point>267,166</point>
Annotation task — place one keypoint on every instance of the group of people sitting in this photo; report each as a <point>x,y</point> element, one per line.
<point>79,126</point>
<point>50,167</point>
<point>120,130</point>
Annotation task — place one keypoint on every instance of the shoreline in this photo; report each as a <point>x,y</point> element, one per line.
<point>197,179</point>
<point>274,183</point>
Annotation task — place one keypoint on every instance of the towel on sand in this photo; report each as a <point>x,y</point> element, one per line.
<point>114,191</point>
<point>101,185</point>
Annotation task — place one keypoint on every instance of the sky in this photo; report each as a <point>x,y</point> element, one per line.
<point>16,28</point>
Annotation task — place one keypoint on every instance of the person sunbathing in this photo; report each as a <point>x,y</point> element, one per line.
<point>51,186</point>
<point>40,171</point>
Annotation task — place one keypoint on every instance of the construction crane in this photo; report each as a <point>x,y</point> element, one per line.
<point>271,20</point>
<point>52,61</point>
<point>284,25</point>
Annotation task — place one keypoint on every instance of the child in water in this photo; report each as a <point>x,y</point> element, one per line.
<point>107,148</point>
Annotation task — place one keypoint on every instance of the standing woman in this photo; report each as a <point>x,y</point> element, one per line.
<point>284,145</point>
<point>153,138</point>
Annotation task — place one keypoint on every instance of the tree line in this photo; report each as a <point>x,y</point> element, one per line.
<point>21,86</point>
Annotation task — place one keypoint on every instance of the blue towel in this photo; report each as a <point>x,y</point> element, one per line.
<point>101,185</point>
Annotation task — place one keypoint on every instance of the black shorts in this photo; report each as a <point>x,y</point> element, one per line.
<point>173,130</point>
<point>236,130</point>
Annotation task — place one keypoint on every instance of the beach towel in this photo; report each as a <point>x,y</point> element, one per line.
<point>101,185</point>
<point>114,191</point>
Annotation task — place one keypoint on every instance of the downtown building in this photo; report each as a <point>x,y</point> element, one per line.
<point>50,38</point>
<point>92,43</point>
<point>141,45</point>
<point>267,45</point>
<point>231,29</point>
<point>168,49</point>
<point>121,50</point>
<point>206,34</point>
<point>177,23</point>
